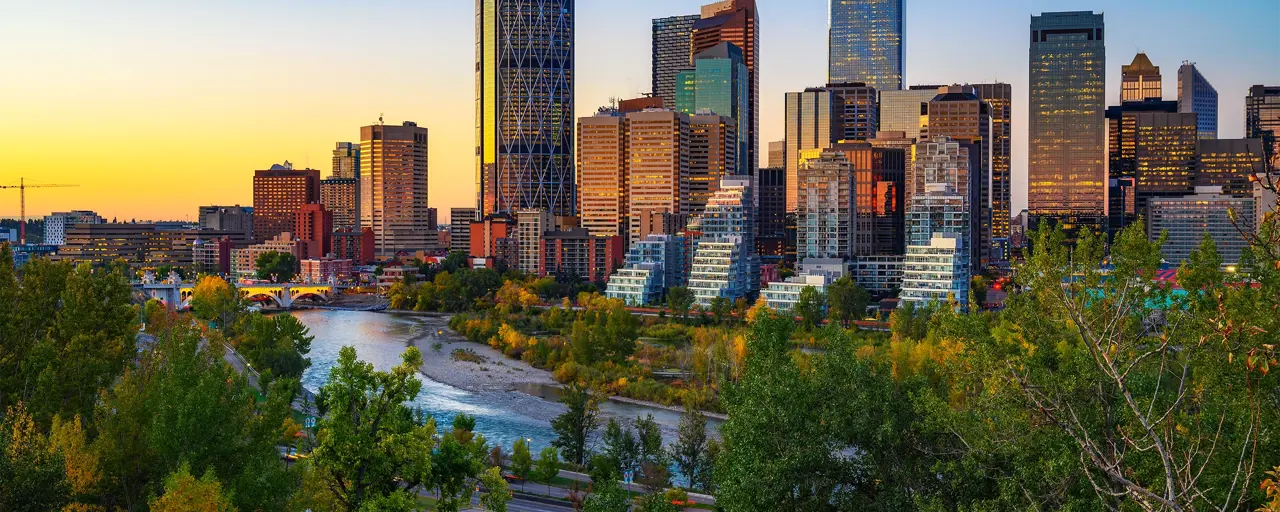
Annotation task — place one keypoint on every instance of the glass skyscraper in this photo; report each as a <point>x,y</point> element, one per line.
<point>671,40</point>
<point>900,110</point>
<point>808,126</point>
<point>1067,175</point>
<point>1262,119</point>
<point>524,106</point>
<point>1196,95</point>
<point>867,43</point>
<point>737,22</point>
<point>718,83</point>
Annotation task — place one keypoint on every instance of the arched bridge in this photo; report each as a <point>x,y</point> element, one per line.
<point>178,295</point>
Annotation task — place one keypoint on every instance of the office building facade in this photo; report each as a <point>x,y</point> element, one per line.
<point>1196,95</point>
<point>999,99</point>
<point>602,174</point>
<point>808,126</point>
<point>314,229</point>
<point>713,154</point>
<point>342,197</point>
<point>1187,219</point>
<point>278,192</point>
<point>854,111</point>
<point>717,84</point>
<point>1140,80</point>
<point>959,114</point>
<point>56,224</point>
<point>867,43</point>
<point>671,41</point>
<point>737,22</point>
<point>772,213</point>
<point>1232,164</point>
<point>1165,153</point>
<point>224,218</point>
<point>1262,119</point>
<point>658,160</point>
<point>346,160</point>
<point>524,106</point>
<point>778,154</point>
<point>460,220</point>
<point>393,187</point>
<point>1067,130</point>
<point>900,110</point>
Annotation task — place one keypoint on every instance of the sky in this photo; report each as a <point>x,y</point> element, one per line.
<point>155,107</point>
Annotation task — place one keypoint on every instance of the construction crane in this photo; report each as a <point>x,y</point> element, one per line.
<point>22,187</point>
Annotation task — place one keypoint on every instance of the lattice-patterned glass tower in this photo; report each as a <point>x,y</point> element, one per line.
<point>524,106</point>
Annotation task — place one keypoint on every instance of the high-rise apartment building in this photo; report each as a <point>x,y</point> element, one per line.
<point>278,192</point>
<point>875,200</point>
<point>999,98</point>
<point>867,43</point>
<point>524,106</point>
<point>1262,119</point>
<point>1197,95</point>
<point>1067,130</point>
<point>824,209</point>
<point>393,187</point>
<point>1165,153</point>
<point>237,219</point>
<point>737,22</point>
<point>602,173</point>
<point>658,161</point>
<point>945,189</point>
<point>530,225</point>
<point>959,114</point>
<point>1230,164</point>
<point>575,252</point>
<point>652,265</point>
<point>342,197</point>
<point>808,126</point>
<point>717,84</point>
<point>460,220</point>
<point>778,154</point>
<point>937,271</point>
<point>724,261</point>
<point>1140,80</point>
<point>672,37</point>
<point>346,160</point>
<point>854,111</point>
<point>713,154</point>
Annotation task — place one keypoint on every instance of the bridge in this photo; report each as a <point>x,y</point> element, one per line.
<point>177,295</point>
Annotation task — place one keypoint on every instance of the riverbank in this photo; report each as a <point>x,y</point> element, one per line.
<point>492,372</point>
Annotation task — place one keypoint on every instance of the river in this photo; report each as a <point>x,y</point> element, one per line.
<point>502,415</point>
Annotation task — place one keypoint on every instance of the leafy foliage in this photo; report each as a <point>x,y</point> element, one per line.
<point>278,267</point>
<point>574,428</point>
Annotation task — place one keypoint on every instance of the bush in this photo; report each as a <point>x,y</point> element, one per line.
<point>467,355</point>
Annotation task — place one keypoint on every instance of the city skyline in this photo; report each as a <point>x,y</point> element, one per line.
<point>217,100</point>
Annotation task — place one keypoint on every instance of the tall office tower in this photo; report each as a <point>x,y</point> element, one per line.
<point>460,220</point>
<point>313,226</point>
<point>900,110</point>
<point>671,39</point>
<point>1231,164</point>
<point>958,113</point>
<point>530,225</point>
<point>658,161</point>
<point>1140,80</point>
<point>1165,152</point>
<point>999,97</point>
<point>277,193</point>
<point>854,111</point>
<point>524,106</point>
<point>772,213</point>
<point>725,264</point>
<point>346,160</point>
<point>1262,119</point>
<point>876,201</point>
<point>778,154</point>
<point>824,210</point>
<point>713,146</point>
<point>737,22</point>
<point>236,219</point>
<point>1197,95</point>
<point>808,126</point>
<point>1067,131</point>
<point>718,85</point>
<point>341,196</point>
<point>1122,162</point>
<point>393,187</point>
<point>945,188</point>
<point>602,174</point>
<point>867,43</point>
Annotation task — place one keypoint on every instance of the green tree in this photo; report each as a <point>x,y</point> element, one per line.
<point>32,476</point>
<point>453,465</point>
<point>497,492</point>
<point>691,442</point>
<point>607,498</point>
<point>978,289</point>
<point>721,308</point>
<point>620,447</point>
<point>809,307</point>
<point>215,300</point>
<point>547,466</point>
<point>370,444</point>
<point>278,267</point>
<point>680,299</point>
<point>656,502</point>
<point>186,493</point>
<point>521,460</point>
<point>574,428</point>
<point>276,345</point>
<point>846,300</point>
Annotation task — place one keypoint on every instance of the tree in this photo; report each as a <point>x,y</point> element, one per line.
<point>369,445</point>
<point>978,288</point>
<point>691,442</point>
<point>276,345</point>
<point>215,300</point>
<point>657,501</point>
<point>680,299</point>
<point>452,466</point>
<point>498,493</point>
<point>547,468</point>
<point>574,428</point>
<point>32,477</point>
<point>649,440</point>
<point>607,498</point>
<point>186,493</point>
<point>620,447</point>
<point>278,267</point>
<point>809,307</point>
<point>721,308</point>
<point>521,460</point>
<point>846,300</point>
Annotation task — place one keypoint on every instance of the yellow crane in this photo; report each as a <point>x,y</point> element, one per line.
<point>22,187</point>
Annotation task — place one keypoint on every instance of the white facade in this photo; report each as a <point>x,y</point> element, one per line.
<point>724,261</point>
<point>55,224</point>
<point>782,296</point>
<point>652,265</point>
<point>936,272</point>
<point>878,274</point>
<point>1188,219</point>
<point>638,286</point>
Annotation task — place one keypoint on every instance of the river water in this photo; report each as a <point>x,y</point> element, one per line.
<point>502,416</point>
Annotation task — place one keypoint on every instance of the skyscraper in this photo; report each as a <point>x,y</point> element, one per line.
<point>342,198</point>
<point>945,189</point>
<point>346,160</point>
<point>460,220</point>
<point>671,39</point>
<point>724,261</point>
<point>658,166</point>
<point>854,111</point>
<point>900,110</point>
<point>958,113</point>
<point>524,106</point>
<point>778,154</point>
<point>718,84</point>
<point>867,43</point>
<point>713,154</point>
<point>824,210</point>
<point>393,187</point>
<point>1140,80</point>
<point>808,126</point>
<point>1262,119</point>
<point>999,97</point>
<point>1067,130</point>
<point>278,192</point>
<point>602,174</point>
<point>1197,95</point>
<point>1232,164</point>
<point>737,22</point>
<point>772,214</point>
<point>1165,152</point>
